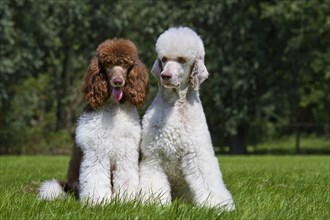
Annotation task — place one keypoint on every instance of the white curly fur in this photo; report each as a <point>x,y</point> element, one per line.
<point>178,157</point>
<point>177,42</point>
<point>51,190</point>
<point>109,139</point>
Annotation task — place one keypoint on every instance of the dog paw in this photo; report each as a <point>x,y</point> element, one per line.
<point>225,205</point>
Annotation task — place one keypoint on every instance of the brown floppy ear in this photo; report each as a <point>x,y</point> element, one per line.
<point>95,85</point>
<point>136,87</point>
<point>198,74</point>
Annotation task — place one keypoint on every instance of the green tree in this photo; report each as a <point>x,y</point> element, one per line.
<point>53,38</point>
<point>303,28</point>
<point>268,62</point>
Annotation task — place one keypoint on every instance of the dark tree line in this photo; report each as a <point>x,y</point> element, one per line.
<point>269,63</point>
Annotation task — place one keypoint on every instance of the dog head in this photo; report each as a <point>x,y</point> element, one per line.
<point>115,72</point>
<point>180,61</point>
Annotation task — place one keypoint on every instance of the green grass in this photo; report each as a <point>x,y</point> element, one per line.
<point>286,145</point>
<point>263,187</point>
<point>309,144</point>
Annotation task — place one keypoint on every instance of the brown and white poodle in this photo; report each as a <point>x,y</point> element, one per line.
<point>104,162</point>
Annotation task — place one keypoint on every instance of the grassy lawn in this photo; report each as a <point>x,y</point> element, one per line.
<point>286,145</point>
<point>310,144</point>
<point>263,187</point>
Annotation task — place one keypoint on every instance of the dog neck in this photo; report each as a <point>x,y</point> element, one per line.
<point>179,96</point>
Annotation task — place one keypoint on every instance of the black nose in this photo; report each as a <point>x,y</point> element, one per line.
<point>166,75</point>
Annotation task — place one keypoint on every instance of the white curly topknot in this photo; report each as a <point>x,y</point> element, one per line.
<point>180,41</point>
<point>51,190</point>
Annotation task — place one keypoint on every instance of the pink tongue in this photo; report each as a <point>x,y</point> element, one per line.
<point>117,93</point>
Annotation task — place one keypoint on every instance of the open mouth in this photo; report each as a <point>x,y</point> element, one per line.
<point>117,93</point>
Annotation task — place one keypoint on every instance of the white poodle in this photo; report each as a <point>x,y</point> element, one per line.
<point>178,157</point>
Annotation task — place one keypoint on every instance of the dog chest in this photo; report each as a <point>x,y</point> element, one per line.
<point>108,130</point>
<point>167,140</point>
<point>172,132</point>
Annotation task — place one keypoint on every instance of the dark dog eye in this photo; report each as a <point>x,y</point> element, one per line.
<point>164,59</point>
<point>129,66</point>
<point>108,64</point>
<point>181,60</point>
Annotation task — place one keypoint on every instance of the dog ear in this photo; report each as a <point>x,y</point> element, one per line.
<point>198,74</point>
<point>157,68</point>
<point>136,87</point>
<point>95,85</point>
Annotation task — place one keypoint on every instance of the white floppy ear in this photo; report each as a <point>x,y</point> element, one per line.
<point>198,74</point>
<point>156,69</point>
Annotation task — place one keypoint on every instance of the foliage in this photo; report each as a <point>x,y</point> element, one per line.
<point>302,27</point>
<point>268,63</point>
<point>263,187</point>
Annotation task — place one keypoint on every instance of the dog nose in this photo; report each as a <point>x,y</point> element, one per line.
<point>117,81</point>
<point>166,75</point>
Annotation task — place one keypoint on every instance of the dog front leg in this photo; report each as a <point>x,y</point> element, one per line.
<point>94,179</point>
<point>203,175</point>
<point>154,184</point>
<point>126,177</point>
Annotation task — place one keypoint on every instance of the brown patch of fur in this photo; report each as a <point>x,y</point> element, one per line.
<point>136,87</point>
<point>95,85</point>
<point>73,171</point>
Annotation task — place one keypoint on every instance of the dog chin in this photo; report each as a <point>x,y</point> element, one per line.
<point>169,85</point>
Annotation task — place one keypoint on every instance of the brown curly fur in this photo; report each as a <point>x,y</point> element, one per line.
<point>119,52</point>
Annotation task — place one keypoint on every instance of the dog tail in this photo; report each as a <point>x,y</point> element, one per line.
<point>53,189</point>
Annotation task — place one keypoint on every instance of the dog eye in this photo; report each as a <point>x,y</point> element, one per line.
<point>108,64</point>
<point>164,59</point>
<point>181,60</point>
